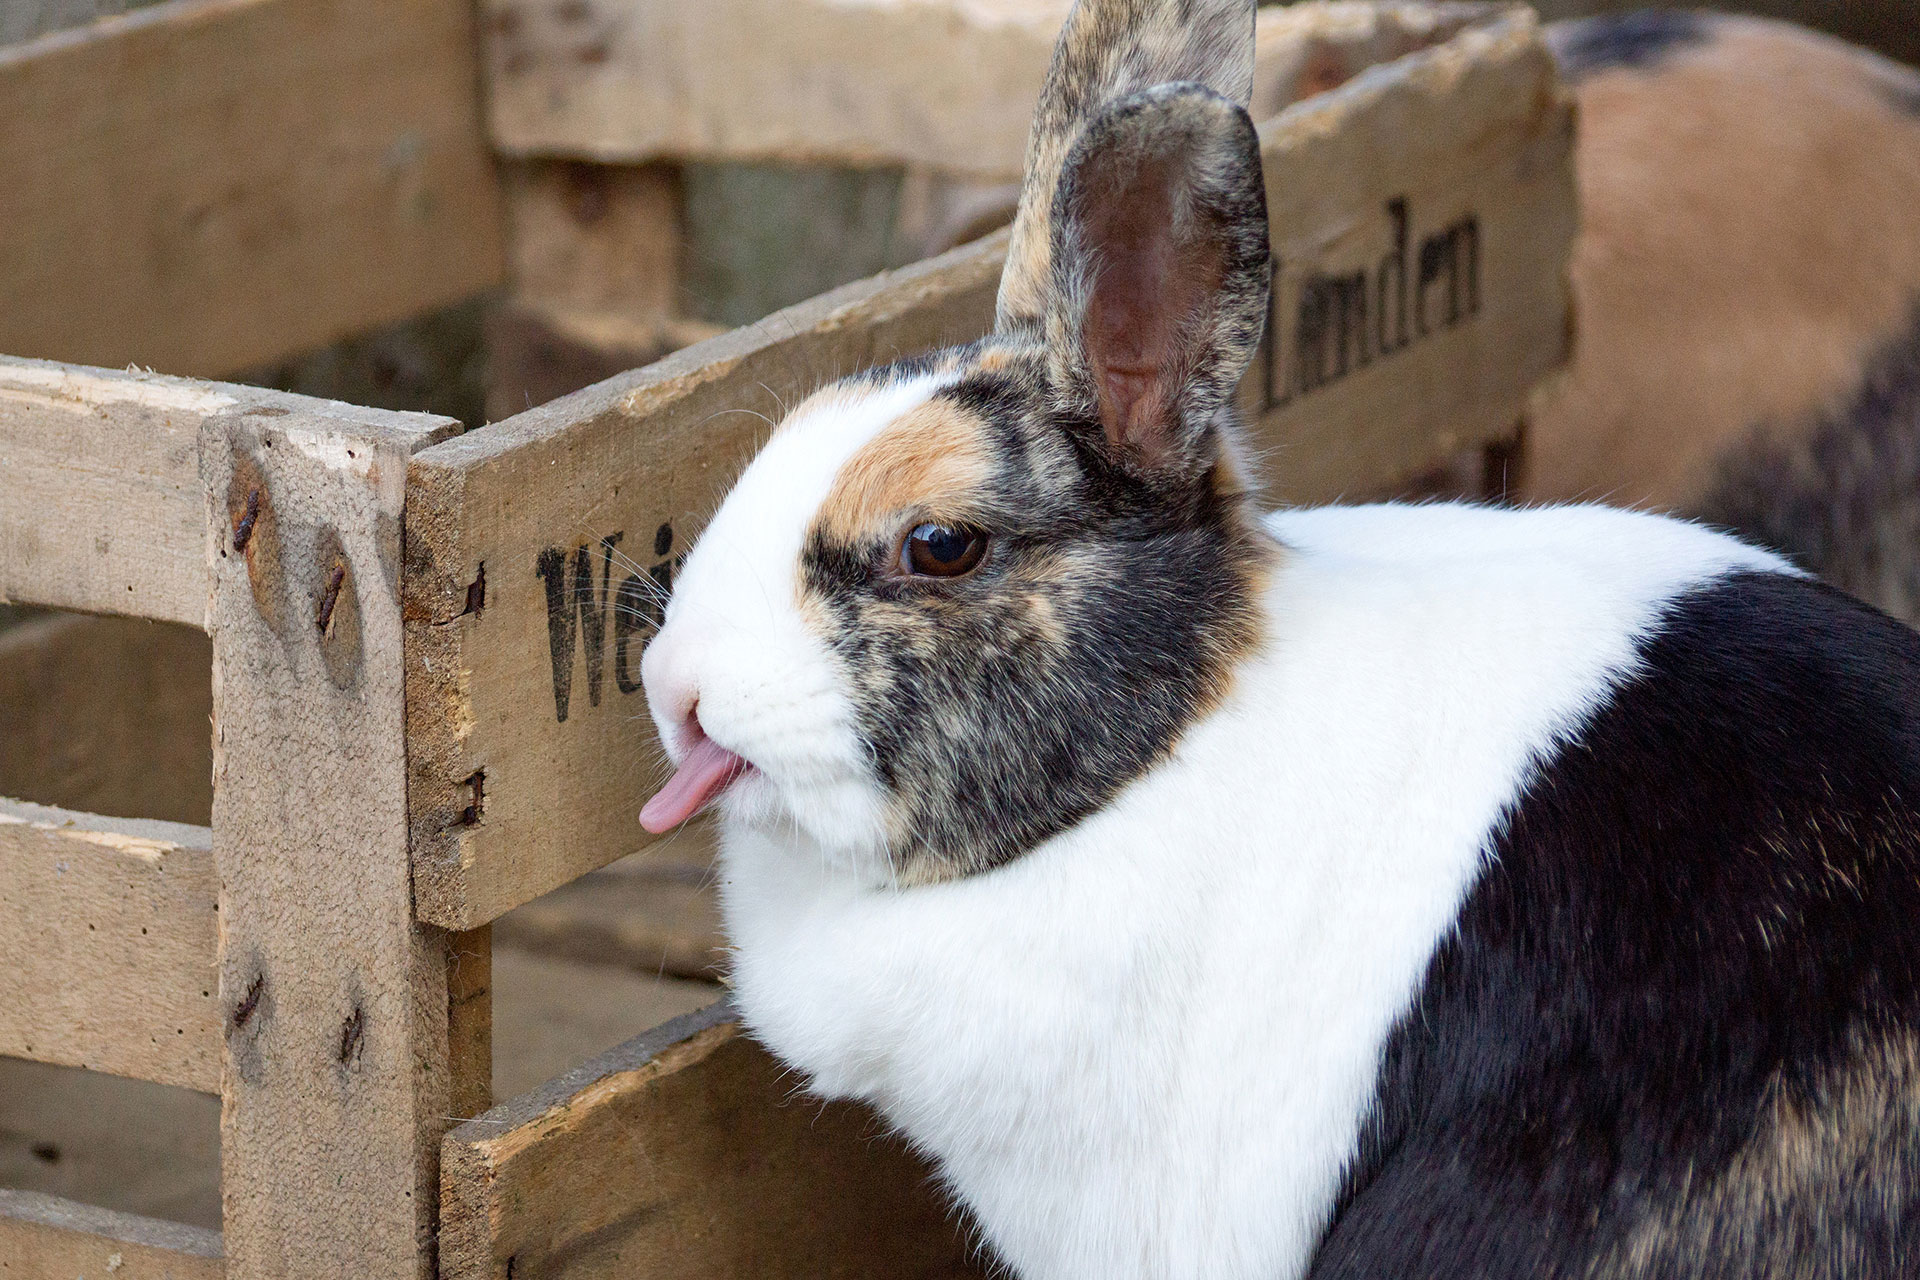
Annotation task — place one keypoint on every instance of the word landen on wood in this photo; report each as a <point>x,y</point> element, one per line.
<point>1324,325</point>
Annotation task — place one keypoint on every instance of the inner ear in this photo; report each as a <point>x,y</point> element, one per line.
<point>1155,263</point>
<point>1159,277</point>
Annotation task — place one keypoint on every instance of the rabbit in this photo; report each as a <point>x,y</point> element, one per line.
<point>1747,287</point>
<point>1382,891</point>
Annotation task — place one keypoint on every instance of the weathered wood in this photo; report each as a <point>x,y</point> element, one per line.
<point>108,715</point>
<point>46,1238</point>
<point>107,936</point>
<point>1423,217</point>
<point>340,1013</point>
<point>265,176</point>
<point>687,1154</point>
<point>947,83</point>
<point>531,544</point>
<point>654,913</point>
<point>111,1141</point>
<point>102,508</point>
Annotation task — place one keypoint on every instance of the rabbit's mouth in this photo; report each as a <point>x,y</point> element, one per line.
<point>705,772</point>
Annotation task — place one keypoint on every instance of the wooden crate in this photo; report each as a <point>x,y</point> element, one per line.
<point>425,709</point>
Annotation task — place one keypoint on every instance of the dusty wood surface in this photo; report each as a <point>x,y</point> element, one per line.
<point>1422,223</point>
<point>45,1238</point>
<point>946,83</point>
<point>687,1153</point>
<point>108,715</point>
<point>552,1013</point>
<point>340,1012</point>
<point>103,490</point>
<point>265,176</point>
<point>654,913</point>
<point>107,936</point>
<point>127,1145</point>
<point>532,543</point>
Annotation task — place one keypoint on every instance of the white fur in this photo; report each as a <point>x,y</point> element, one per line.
<point>733,640</point>
<point>1145,1048</point>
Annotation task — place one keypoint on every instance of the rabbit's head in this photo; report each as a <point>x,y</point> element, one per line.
<point>958,602</point>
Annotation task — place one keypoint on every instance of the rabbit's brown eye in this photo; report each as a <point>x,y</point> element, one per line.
<point>942,550</point>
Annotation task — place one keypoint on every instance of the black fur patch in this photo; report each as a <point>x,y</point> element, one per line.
<point>1841,495</point>
<point>1003,707</point>
<point>1674,1032</point>
<point>1641,40</point>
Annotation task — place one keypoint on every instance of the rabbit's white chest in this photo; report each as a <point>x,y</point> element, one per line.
<point>1147,1047</point>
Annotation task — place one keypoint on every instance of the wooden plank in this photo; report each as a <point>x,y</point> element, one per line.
<point>108,715</point>
<point>1441,183</point>
<point>295,170</point>
<point>108,932</point>
<point>686,1153</point>
<point>103,490</point>
<point>103,511</point>
<point>342,1017</point>
<point>45,1238</point>
<point>944,83</point>
<point>654,913</point>
<point>1423,217</point>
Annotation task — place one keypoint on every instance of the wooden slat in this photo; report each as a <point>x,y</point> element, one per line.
<point>1423,217</point>
<point>102,510</point>
<point>945,83</point>
<point>46,1238</point>
<point>530,748</point>
<point>265,176</point>
<point>686,1153</point>
<point>107,936</point>
<point>108,715</point>
<point>343,1019</point>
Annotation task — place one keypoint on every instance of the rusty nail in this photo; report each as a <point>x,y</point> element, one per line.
<point>243,532</point>
<point>335,579</point>
<point>249,1002</point>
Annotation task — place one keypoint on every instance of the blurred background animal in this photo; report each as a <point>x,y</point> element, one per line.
<point>1747,286</point>
<point>1746,293</point>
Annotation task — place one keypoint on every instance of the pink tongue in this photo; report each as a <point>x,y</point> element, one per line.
<point>708,769</point>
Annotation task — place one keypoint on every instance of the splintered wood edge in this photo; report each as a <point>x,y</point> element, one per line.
<point>49,1235</point>
<point>99,855</point>
<point>672,1046</point>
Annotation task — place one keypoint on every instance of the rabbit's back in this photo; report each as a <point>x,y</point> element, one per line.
<point>1675,1027</point>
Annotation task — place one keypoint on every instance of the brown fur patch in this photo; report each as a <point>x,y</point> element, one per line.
<point>926,463</point>
<point>1750,239</point>
<point>1826,1172</point>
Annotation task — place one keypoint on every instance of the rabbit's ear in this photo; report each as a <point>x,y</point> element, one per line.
<point>1159,279</point>
<point>1107,50</point>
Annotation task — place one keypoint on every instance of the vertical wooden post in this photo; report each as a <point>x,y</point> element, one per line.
<point>343,1018</point>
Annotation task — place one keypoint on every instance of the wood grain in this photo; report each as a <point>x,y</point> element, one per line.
<point>949,84</point>
<point>45,1238</point>
<point>686,1154</point>
<point>108,935</point>
<point>530,751</point>
<point>264,177</point>
<point>341,1016</point>
<point>103,491</point>
<point>108,715</point>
